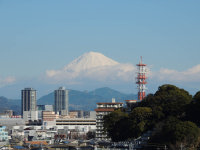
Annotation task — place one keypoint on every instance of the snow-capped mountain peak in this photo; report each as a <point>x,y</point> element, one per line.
<point>90,60</point>
<point>92,66</point>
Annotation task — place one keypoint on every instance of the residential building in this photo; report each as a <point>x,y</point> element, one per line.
<point>49,118</point>
<point>104,109</point>
<point>79,125</point>
<point>3,134</point>
<point>76,122</point>
<point>61,101</point>
<point>28,100</point>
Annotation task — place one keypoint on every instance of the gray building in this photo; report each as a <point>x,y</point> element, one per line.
<point>28,100</point>
<point>61,101</point>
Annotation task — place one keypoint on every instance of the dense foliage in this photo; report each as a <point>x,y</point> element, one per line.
<point>174,132</point>
<point>171,113</point>
<point>193,109</point>
<point>113,120</point>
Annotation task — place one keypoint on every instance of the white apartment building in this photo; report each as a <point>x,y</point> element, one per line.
<point>104,109</point>
<point>83,124</point>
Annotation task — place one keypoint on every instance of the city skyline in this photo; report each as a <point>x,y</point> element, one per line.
<point>40,36</point>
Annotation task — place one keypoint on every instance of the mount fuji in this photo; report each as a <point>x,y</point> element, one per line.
<point>92,66</point>
<point>90,60</point>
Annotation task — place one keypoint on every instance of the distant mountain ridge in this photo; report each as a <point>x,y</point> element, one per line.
<point>10,104</point>
<point>88,100</point>
<point>78,100</point>
<point>108,93</point>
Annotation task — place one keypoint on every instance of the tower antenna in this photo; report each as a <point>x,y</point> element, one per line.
<point>141,80</point>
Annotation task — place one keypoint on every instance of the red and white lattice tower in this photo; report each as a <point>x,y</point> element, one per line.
<point>141,80</point>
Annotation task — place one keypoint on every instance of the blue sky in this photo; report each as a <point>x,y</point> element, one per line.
<point>36,36</point>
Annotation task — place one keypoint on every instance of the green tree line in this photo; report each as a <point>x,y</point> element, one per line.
<point>172,114</point>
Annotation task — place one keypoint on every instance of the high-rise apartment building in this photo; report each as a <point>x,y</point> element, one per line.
<point>102,110</point>
<point>61,101</point>
<point>28,100</point>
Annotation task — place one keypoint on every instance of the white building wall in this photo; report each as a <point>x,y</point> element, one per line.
<point>30,115</point>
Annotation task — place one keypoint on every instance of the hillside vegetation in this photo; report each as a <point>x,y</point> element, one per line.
<point>171,113</point>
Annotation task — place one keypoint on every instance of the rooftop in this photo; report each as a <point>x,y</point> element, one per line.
<point>110,103</point>
<point>104,109</point>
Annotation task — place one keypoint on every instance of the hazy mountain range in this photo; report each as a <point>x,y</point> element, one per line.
<point>78,100</point>
<point>10,104</point>
<point>87,100</point>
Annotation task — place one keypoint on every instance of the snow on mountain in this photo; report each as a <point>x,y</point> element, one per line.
<point>90,60</point>
<point>92,66</point>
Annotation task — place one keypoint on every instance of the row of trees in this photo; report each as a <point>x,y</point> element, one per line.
<point>171,113</point>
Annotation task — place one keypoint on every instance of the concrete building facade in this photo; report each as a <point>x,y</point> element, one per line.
<point>104,109</point>
<point>41,108</point>
<point>61,101</point>
<point>30,115</point>
<point>28,100</point>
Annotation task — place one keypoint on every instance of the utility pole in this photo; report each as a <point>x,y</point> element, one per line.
<point>181,146</point>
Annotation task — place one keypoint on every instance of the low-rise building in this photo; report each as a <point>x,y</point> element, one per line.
<point>9,122</point>
<point>82,124</point>
<point>130,104</point>
<point>41,108</point>
<point>3,134</point>
<point>49,118</point>
<point>73,114</point>
<point>30,115</point>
